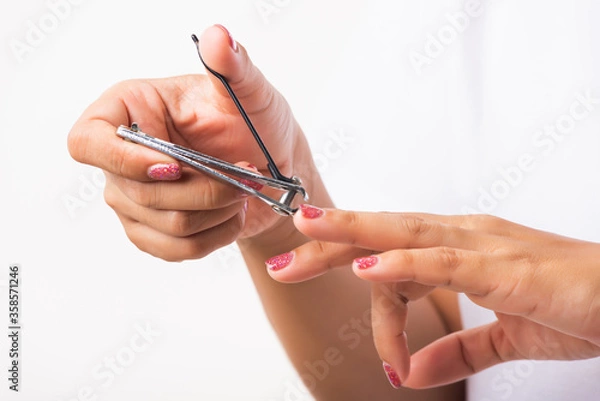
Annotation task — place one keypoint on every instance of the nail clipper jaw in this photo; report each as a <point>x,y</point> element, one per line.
<point>288,198</point>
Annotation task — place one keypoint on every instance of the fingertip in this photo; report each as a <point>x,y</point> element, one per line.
<point>392,376</point>
<point>362,266</point>
<point>303,263</point>
<point>232,43</point>
<point>306,217</point>
<point>311,212</point>
<point>164,172</point>
<point>279,262</point>
<point>220,51</point>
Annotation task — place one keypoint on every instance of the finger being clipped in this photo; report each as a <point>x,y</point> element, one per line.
<point>381,231</point>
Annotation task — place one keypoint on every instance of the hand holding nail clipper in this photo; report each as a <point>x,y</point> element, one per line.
<point>174,212</point>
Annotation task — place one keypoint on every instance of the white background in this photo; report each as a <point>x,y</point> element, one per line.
<point>423,142</point>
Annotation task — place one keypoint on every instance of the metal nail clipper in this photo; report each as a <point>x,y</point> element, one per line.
<point>222,170</point>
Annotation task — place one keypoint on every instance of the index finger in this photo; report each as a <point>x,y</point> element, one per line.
<point>383,231</point>
<point>93,138</point>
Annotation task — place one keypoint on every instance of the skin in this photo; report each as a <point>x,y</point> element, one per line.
<point>189,217</point>
<point>543,288</point>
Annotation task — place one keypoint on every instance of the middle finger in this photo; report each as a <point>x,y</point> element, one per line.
<point>177,223</point>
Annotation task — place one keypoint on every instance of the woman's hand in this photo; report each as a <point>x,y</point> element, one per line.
<point>544,288</point>
<point>167,209</point>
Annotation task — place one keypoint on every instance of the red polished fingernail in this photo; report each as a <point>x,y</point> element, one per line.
<point>392,375</point>
<point>366,262</point>
<point>232,42</point>
<point>311,212</point>
<point>164,171</point>
<point>252,184</point>
<point>280,261</point>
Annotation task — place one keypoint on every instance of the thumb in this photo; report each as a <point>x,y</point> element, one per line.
<point>225,56</point>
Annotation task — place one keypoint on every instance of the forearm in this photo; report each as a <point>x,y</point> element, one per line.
<point>325,323</point>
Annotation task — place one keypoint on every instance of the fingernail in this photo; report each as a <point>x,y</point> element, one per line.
<point>232,42</point>
<point>280,261</point>
<point>311,212</point>
<point>392,375</point>
<point>366,262</point>
<point>164,171</point>
<point>252,184</point>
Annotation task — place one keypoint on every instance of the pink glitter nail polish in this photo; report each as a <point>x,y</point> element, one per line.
<point>392,375</point>
<point>311,212</point>
<point>366,262</point>
<point>280,261</point>
<point>252,184</point>
<point>164,171</point>
<point>232,42</point>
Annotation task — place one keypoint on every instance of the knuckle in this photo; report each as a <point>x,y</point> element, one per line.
<point>322,252</point>
<point>485,222</point>
<point>202,246</point>
<point>141,194</point>
<point>190,249</point>
<point>140,241</point>
<point>351,222</point>
<point>403,292</point>
<point>449,257</point>
<point>126,85</point>
<point>405,259</point>
<point>406,262</point>
<point>209,196</point>
<point>416,228</point>
<point>350,219</point>
<point>111,196</point>
<point>180,223</point>
<point>77,143</point>
<point>121,160</point>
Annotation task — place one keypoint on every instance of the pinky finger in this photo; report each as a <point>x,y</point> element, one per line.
<point>176,249</point>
